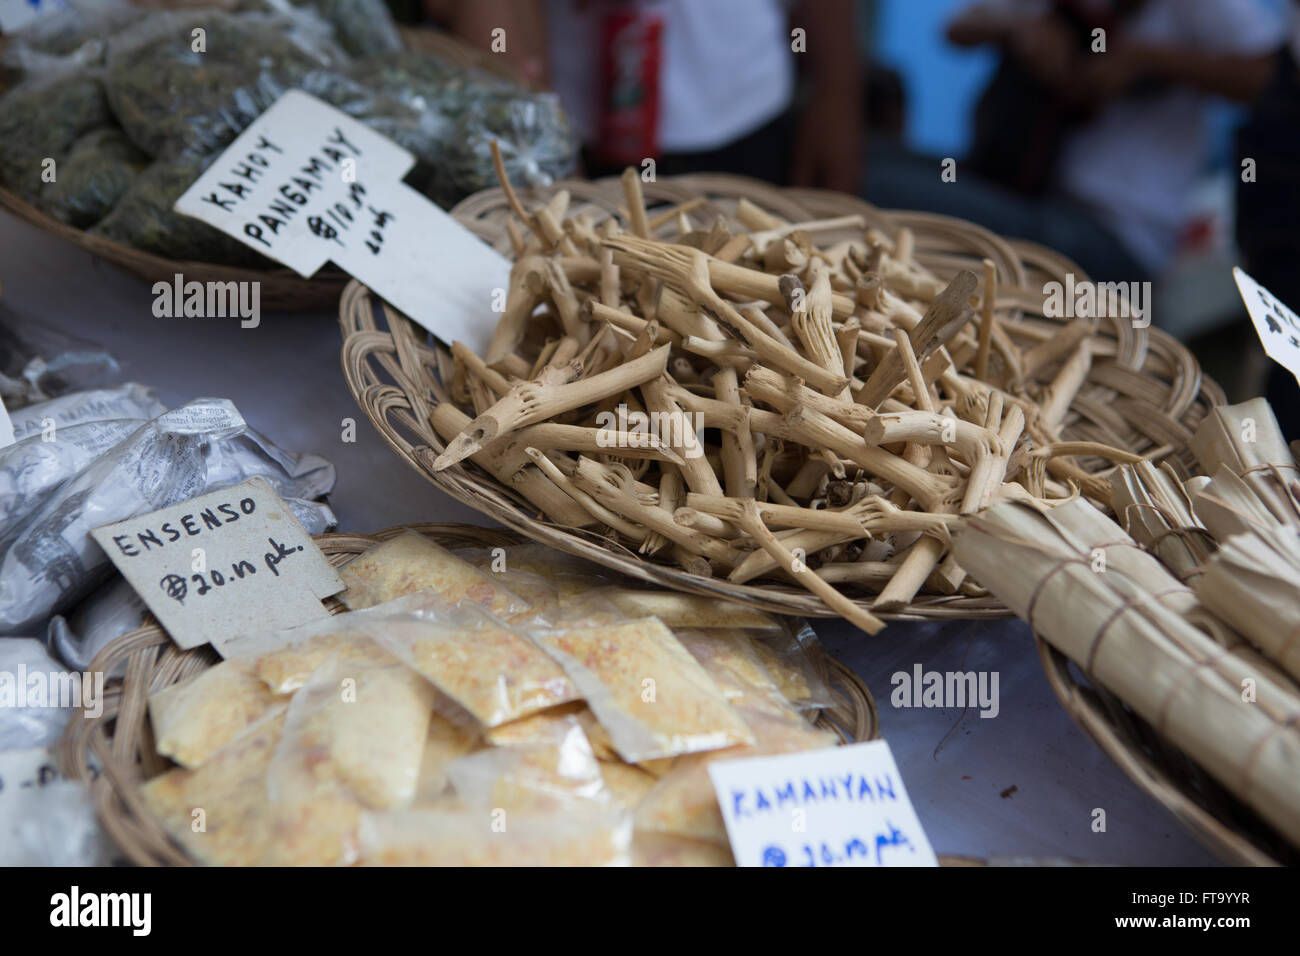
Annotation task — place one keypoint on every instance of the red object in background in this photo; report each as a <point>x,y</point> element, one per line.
<point>630,58</point>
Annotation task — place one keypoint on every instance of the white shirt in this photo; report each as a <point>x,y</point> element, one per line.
<point>726,67</point>
<point>1136,162</point>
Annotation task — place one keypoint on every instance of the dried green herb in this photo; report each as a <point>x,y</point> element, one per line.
<point>97,173</point>
<point>40,121</point>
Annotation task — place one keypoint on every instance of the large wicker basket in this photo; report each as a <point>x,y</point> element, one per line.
<point>281,289</point>
<point>114,753</point>
<point>1145,392</point>
<point>1219,820</point>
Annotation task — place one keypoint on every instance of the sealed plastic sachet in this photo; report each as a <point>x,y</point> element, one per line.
<point>411,562</point>
<point>687,610</point>
<point>194,719</point>
<point>646,689</point>
<point>355,726</point>
<point>487,670</point>
<point>544,775</point>
<point>220,813</point>
<point>791,655</point>
<point>466,837</point>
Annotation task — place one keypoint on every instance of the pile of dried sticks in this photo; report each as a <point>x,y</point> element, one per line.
<point>822,411</point>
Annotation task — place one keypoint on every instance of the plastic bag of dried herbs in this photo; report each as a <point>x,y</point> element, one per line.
<point>536,142</point>
<point>143,218</point>
<point>70,38</point>
<point>99,170</point>
<point>39,121</point>
<point>191,82</point>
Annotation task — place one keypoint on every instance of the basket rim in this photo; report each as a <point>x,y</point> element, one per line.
<point>113,764</point>
<point>398,402</point>
<point>1153,778</point>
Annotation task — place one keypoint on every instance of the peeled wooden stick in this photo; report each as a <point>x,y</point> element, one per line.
<point>804,575</point>
<point>1059,395</point>
<point>531,402</point>
<point>987,319</point>
<point>739,460</point>
<point>635,203</point>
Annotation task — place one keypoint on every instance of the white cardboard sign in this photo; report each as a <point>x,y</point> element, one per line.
<point>306,184</point>
<point>842,806</point>
<point>1276,324</point>
<point>227,562</point>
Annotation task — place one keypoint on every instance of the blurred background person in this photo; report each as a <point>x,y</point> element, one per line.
<point>712,86</point>
<point>1092,153</point>
<point>1268,207</point>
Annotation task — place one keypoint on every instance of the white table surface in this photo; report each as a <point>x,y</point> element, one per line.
<point>285,378</point>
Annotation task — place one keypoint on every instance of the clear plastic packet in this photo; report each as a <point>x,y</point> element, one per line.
<point>449,837</point>
<point>356,727</point>
<point>362,27</point>
<point>627,784</point>
<point>39,362</point>
<point>645,688</point>
<point>539,727</point>
<point>195,719</point>
<point>411,562</point>
<point>535,588</point>
<point>288,669</point>
<point>735,665</point>
<point>446,743</point>
<point>40,119</point>
<point>30,470</point>
<point>791,656</point>
<point>31,689</point>
<point>483,668</point>
<point>99,169</point>
<point>687,610</point>
<point>220,814</point>
<point>658,849</point>
<point>683,802</point>
<point>49,418</point>
<point>545,776</point>
<point>144,218</point>
<point>112,610</point>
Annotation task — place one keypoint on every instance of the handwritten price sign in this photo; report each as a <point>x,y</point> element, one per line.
<point>225,563</point>
<point>843,806</point>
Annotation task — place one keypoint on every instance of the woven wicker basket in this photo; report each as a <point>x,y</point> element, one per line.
<point>281,289</point>
<point>1144,392</point>
<point>1220,821</point>
<point>114,753</point>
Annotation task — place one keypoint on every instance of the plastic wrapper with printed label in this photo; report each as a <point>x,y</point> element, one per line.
<point>39,362</point>
<point>51,560</point>
<point>37,695</point>
<point>47,419</point>
<point>33,468</point>
<point>648,692</point>
<point>358,727</point>
<point>459,837</point>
